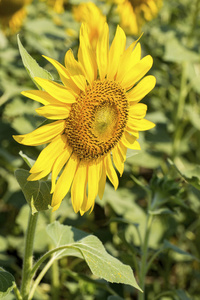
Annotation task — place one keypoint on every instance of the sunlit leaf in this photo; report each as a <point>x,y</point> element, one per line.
<point>32,67</point>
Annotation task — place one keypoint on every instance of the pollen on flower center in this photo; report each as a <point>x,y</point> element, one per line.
<point>97,120</point>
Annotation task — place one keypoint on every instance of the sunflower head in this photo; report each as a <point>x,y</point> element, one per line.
<point>12,14</point>
<point>134,13</point>
<point>96,116</point>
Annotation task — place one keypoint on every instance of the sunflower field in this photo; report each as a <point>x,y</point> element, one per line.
<point>99,159</point>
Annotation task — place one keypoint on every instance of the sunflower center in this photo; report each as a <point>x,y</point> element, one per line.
<point>97,120</point>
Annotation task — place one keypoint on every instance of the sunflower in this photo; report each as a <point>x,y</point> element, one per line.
<point>92,15</point>
<point>96,116</point>
<point>134,13</point>
<point>12,14</point>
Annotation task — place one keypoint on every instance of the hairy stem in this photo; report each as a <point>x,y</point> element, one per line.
<point>28,256</point>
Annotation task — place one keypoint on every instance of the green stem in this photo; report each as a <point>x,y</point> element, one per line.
<point>143,270</point>
<point>180,111</point>
<point>28,256</point>
<point>39,278</point>
<point>17,293</point>
<point>55,286</point>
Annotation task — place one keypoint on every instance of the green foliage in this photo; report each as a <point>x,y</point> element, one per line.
<point>92,251</point>
<point>37,193</point>
<point>7,282</point>
<point>32,67</point>
<point>158,199</point>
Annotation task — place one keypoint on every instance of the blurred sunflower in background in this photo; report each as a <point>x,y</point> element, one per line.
<point>135,13</point>
<point>12,14</point>
<point>92,15</point>
<point>96,116</point>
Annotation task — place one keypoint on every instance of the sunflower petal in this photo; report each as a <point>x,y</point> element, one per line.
<point>116,50</point>
<point>40,96</point>
<point>79,187</point>
<point>63,73</point>
<point>54,112</point>
<point>75,70</point>
<point>130,142</point>
<point>118,160</point>
<point>137,72</point>
<point>140,124</point>
<point>38,176</point>
<point>41,135</point>
<point>110,171</point>
<point>86,55</point>
<point>102,52</point>
<point>128,59</point>
<point>138,111</point>
<point>49,154</point>
<point>56,90</point>
<point>142,88</point>
<point>58,165</point>
<point>102,181</point>
<point>65,180</point>
<point>93,182</point>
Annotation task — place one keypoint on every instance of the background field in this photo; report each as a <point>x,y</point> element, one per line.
<point>167,168</point>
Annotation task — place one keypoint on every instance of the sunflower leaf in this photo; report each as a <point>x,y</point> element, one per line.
<point>30,162</point>
<point>65,235</point>
<point>37,193</point>
<point>7,282</point>
<point>91,249</point>
<point>32,67</point>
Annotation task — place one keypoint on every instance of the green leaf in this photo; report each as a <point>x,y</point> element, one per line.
<point>176,52</point>
<point>7,282</point>
<point>30,162</point>
<point>37,193</point>
<point>104,265</point>
<point>168,245</point>
<point>91,249</point>
<point>65,235</point>
<point>192,176</point>
<point>32,67</point>
<point>182,295</point>
<point>115,298</point>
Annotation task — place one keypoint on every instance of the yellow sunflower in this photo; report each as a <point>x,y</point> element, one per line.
<point>134,13</point>
<point>92,15</point>
<point>96,116</point>
<point>12,14</point>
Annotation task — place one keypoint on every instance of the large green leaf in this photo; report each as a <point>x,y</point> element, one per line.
<point>91,249</point>
<point>37,193</point>
<point>32,67</point>
<point>64,235</point>
<point>7,282</point>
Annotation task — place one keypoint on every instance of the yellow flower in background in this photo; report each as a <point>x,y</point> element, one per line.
<point>134,13</point>
<point>12,14</point>
<point>92,15</point>
<point>96,116</point>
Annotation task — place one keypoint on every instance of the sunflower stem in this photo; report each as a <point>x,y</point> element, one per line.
<point>17,293</point>
<point>143,268</point>
<point>28,256</point>
<point>55,290</point>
